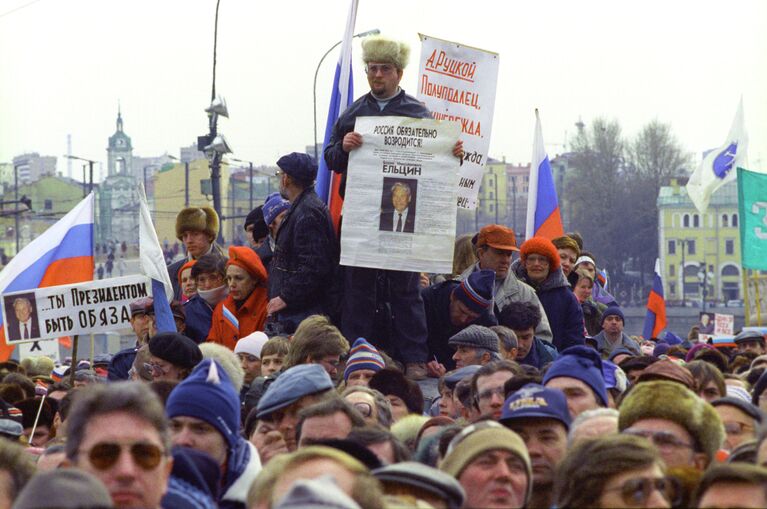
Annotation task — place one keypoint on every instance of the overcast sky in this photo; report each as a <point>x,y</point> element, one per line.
<point>65,64</point>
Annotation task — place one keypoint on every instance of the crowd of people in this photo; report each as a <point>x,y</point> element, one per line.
<point>293,382</point>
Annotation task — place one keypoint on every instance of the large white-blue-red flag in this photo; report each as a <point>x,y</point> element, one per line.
<point>342,96</point>
<point>62,255</point>
<point>655,319</point>
<point>152,263</point>
<point>718,165</point>
<point>543,217</point>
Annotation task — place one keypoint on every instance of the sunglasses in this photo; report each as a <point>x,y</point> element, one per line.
<point>663,440</point>
<point>636,492</point>
<point>105,455</point>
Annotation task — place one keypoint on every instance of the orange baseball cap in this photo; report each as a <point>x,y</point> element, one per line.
<point>497,236</point>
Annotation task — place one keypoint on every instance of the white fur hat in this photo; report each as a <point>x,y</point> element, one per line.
<point>382,49</point>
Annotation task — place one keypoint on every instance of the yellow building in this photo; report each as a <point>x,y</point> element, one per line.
<point>170,193</point>
<point>492,198</point>
<point>698,247</point>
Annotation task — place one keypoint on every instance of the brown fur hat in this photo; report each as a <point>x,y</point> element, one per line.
<point>672,401</point>
<point>197,219</point>
<point>378,48</point>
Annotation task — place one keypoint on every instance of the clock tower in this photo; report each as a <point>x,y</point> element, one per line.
<point>119,151</point>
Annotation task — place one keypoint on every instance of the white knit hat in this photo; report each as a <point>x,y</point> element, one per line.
<point>252,344</point>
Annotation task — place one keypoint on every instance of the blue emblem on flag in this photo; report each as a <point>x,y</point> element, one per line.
<point>724,160</point>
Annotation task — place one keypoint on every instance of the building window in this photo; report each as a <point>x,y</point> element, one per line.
<point>686,221</point>
<point>734,220</point>
<point>671,270</point>
<point>491,195</point>
<point>672,288</point>
<point>725,221</point>
<point>691,247</point>
<point>729,247</point>
<point>671,247</point>
<point>695,221</point>
<point>48,204</point>
<point>730,270</point>
<point>492,208</point>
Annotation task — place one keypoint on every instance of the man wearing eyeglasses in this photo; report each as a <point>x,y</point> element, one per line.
<point>118,433</point>
<point>385,61</point>
<point>685,428</point>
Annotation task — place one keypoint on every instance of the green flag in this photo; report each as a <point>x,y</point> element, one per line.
<point>752,202</point>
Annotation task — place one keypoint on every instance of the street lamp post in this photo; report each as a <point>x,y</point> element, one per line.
<point>16,197</point>
<point>90,166</point>
<point>683,243</point>
<point>250,182</point>
<point>375,31</point>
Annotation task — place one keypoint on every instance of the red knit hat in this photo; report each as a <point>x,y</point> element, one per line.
<point>543,247</point>
<point>187,265</point>
<point>248,260</point>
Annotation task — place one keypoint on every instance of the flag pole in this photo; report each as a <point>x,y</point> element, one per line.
<point>73,367</point>
<point>34,426</point>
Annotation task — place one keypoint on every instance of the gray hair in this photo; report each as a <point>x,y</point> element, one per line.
<point>383,407</point>
<point>587,416</point>
<point>134,398</point>
<point>23,300</point>
<point>506,337</point>
<point>403,186</point>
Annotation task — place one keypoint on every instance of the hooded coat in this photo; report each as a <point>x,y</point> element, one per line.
<point>562,308</point>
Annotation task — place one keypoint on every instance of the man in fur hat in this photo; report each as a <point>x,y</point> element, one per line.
<point>197,228</point>
<point>385,60</point>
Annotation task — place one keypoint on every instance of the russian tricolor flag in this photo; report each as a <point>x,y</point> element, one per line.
<point>543,217</point>
<point>343,95</point>
<point>655,320</point>
<point>62,255</point>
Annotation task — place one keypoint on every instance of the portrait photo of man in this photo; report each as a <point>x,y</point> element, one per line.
<point>398,206</point>
<point>22,320</point>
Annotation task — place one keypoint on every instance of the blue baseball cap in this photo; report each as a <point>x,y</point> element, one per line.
<point>537,402</point>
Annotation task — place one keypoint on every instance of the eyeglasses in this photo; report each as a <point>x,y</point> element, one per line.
<point>663,440</point>
<point>489,393</point>
<point>373,69</point>
<point>105,455</point>
<point>737,428</point>
<point>537,259</point>
<point>154,369</point>
<point>636,492</point>
<point>364,408</point>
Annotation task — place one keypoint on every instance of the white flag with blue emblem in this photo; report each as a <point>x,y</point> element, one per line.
<point>719,165</point>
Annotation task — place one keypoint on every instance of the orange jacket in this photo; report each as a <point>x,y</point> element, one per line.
<point>250,318</point>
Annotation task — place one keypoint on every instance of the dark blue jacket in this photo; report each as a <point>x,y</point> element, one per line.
<point>436,303</point>
<point>121,364</point>
<point>401,105</point>
<point>304,265</point>
<point>540,354</point>
<point>198,315</point>
<point>562,308</point>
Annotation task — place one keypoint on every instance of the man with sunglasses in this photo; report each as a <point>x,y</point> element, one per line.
<point>204,413</point>
<point>685,428</point>
<point>385,60</point>
<point>118,433</point>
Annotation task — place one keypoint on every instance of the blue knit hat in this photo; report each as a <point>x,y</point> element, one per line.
<point>299,166</point>
<point>613,311</point>
<point>292,385</point>
<point>476,291</point>
<point>208,394</point>
<point>363,355</point>
<point>581,363</point>
<point>274,206</point>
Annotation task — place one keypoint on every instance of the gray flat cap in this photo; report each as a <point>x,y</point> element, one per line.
<point>476,336</point>
<point>418,475</point>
